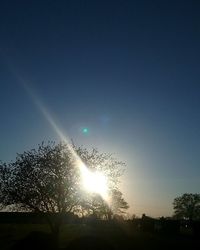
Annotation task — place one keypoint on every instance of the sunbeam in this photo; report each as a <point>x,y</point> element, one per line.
<point>93,182</point>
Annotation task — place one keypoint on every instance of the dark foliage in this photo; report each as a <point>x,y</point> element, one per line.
<point>187,206</point>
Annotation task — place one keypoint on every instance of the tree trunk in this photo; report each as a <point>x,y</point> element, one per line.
<point>56,236</point>
<point>55,223</point>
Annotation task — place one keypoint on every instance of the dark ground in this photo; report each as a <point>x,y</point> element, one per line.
<point>120,235</point>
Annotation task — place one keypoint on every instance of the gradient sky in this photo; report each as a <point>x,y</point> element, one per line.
<point>127,70</point>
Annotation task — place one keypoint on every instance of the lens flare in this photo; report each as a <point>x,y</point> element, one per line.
<point>94,182</point>
<point>85,130</point>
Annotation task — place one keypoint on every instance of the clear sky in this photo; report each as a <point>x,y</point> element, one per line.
<point>128,71</point>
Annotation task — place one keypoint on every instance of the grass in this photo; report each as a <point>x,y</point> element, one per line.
<point>120,236</point>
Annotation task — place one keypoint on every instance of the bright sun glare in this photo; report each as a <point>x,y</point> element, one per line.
<point>94,182</point>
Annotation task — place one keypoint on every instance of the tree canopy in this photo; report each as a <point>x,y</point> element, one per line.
<point>47,179</point>
<point>187,206</point>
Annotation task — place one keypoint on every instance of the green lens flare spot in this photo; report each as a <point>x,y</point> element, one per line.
<point>85,130</point>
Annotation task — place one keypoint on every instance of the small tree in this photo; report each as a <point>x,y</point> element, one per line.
<point>95,205</point>
<point>187,206</point>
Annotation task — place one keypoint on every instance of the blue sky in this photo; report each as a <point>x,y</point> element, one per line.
<point>126,70</point>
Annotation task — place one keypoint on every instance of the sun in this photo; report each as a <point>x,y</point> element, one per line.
<point>94,182</point>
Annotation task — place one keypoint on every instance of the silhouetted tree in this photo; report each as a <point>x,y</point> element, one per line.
<point>100,208</point>
<point>47,180</point>
<point>43,180</point>
<point>187,206</point>
<point>117,204</point>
